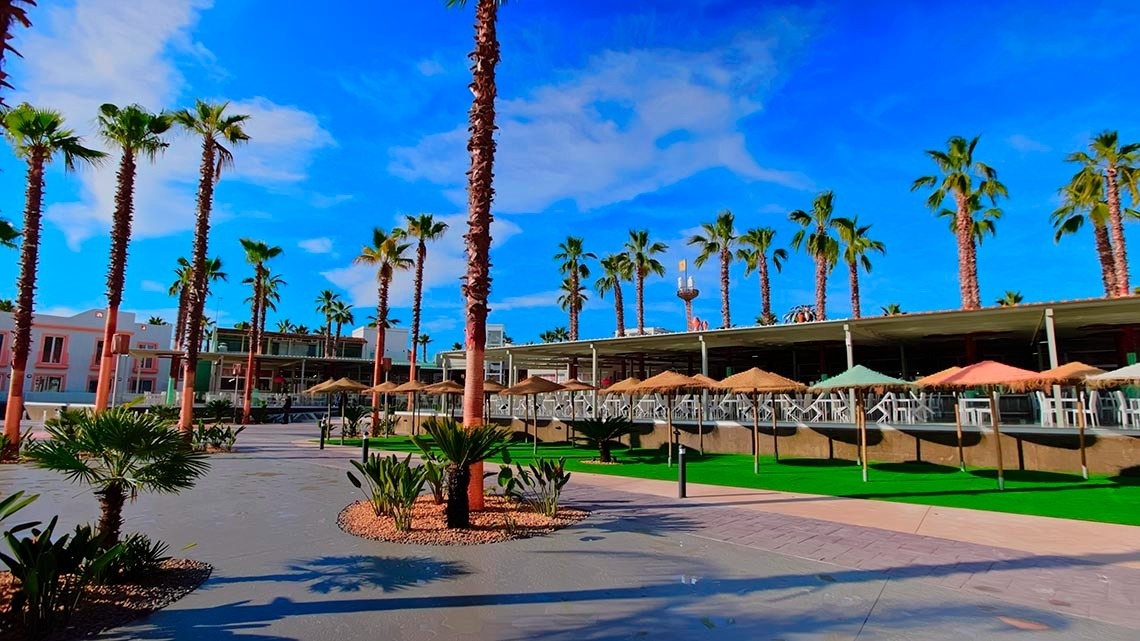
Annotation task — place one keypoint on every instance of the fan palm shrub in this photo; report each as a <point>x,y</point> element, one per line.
<point>120,453</point>
<point>460,447</point>
<point>600,434</point>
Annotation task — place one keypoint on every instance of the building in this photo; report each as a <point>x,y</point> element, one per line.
<point>63,365</point>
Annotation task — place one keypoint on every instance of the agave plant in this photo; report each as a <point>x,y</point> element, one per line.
<point>461,447</point>
<point>393,486</point>
<point>600,434</point>
<point>120,453</point>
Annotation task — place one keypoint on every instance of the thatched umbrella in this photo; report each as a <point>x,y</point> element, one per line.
<point>385,388</point>
<point>937,377</point>
<point>1129,375</point>
<point>446,389</point>
<point>756,382</point>
<point>412,388</point>
<point>623,387</point>
<point>1073,375</point>
<point>934,380</point>
<point>345,386</point>
<point>490,387</point>
<point>860,379</point>
<point>989,375</point>
<point>670,383</point>
<point>575,385</point>
<point>320,388</point>
<point>712,382</point>
<point>532,387</point>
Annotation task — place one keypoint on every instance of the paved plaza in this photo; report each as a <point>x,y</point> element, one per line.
<point>725,563</point>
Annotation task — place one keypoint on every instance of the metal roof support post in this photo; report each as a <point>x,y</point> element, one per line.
<point>850,363</point>
<point>1051,338</point>
<point>594,379</point>
<point>705,371</point>
<point>510,369</point>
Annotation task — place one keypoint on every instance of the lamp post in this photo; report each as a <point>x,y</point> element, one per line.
<point>686,292</point>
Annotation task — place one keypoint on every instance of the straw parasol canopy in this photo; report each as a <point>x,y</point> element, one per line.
<point>669,383</point>
<point>937,377</point>
<point>575,385</point>
<point>344,385</point>
<point>387,387</point>
<point>1068,374</point>
<point>756,381</point>
<point>319,388</point>
<point>532,387</point>
<point>861,379</point>
<point>712,382</point>
<point>989,374</point>
<point>625,386</point>
<point>1129,375</point>
<point>444,387</point>
<point>492,387</point>
<point>411,387</point>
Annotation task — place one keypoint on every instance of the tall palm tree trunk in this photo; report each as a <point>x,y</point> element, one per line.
<point>619,309</point>
<point>1116,227</point>
<point>853,277</point>
<point>481,192</point>
<point>417,298</point>
<point>381,339</point>
<point>120,237</point>
<point>821,288</point>
<point>765,290</point>
<point>639,286</point>
<point>26,286</point>
<point>575,303</point>
<point>196,300</point>
<point>180,319</point>
<point>254,341</point>
<point>1104,255</point>
<point>964,233</point>
<point>725,257</point>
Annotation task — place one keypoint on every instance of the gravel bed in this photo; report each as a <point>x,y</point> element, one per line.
<point>108,606</point>
<point>429,526</point>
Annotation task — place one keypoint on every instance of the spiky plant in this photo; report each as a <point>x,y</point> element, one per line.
<point>460,447</point>
<point>600,434</point>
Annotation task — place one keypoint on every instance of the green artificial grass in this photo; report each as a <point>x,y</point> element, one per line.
<point>1101,498</point>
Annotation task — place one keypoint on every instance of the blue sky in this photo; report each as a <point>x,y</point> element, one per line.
<point>613,116</point>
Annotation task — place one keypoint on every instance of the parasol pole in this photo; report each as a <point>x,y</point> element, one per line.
<point>669,423</point>
<point>570,427</point>
<point>632,397</point>
<point>997,438</point>
<point>701,422</point>
<point>958,424</point>
<point>775,437</point>
<point>1081,433</point>
<point>756,432</point>
<point>861,410</point>
<point>534,407</point>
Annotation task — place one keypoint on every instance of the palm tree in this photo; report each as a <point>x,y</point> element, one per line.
<point>217,129</point>
<point>301,329</point>
<point>856,245</point>
<point>717,240</point>
<point>341,315</point>
<point>325,302</point>
<point>476,287</point>
<point>156,320</point>
<point>7,305</point>
<point>135,132</point>
<point>983,220</point>
<point>12,13</point>
<point>962,179</point>
<point>569,300</point>
<point>815,239</point>
<point>756,245</point>
<point>181,288</point>
<point>390,322</point>
<point>257,254</point>
<point>120,453</point>
<point>893,309</point>
<point>1010,299</point>
<point>463,447</point>
<point>37,136</point>
<point>424,340</point>
<point>1083,198</point>
<point>285,326</point>
<point>616,269</point>
<point>387,254</point>
<point>456,346</point>
<point>1119,167</point>
<point>641,254</point>
<point>271,295</point>
<point>8,235</point>
<point>573,266</point>
<point>423,228</point>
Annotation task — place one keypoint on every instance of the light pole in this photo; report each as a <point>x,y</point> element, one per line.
<point>686,292</point>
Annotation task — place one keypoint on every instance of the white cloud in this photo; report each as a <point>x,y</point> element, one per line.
<point>152,286</point>
<point>446,263</point>
<point>324,201</point>
<point>629,123</point>
<point>316,245</point>
<point>443,323</point>
<point>429,67</point>
<point>122,52</point>
<point>1025,144</point>
<point>539,299</point>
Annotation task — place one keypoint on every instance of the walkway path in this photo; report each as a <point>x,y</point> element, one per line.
<point>642,566</point>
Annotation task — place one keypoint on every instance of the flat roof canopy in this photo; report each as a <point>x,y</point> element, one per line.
<point>1015,321</point>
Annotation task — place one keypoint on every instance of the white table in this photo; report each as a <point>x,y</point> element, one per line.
<point>975,411</point>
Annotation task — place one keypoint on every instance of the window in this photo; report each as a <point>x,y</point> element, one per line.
<point>52,352</point>
<point>148,364</point>
<point>3,348</point>
<point>97,355</point>
<point>142,386</point>
<point>47,383</point>
<point>92,384</point>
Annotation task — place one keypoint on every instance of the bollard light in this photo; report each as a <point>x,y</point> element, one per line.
<point>681,472</point>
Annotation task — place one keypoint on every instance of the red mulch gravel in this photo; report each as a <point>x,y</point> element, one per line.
<point>108,606</point>
<point>429,526</point>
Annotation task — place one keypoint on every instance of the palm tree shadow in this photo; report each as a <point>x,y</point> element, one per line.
<point>358,572</point>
